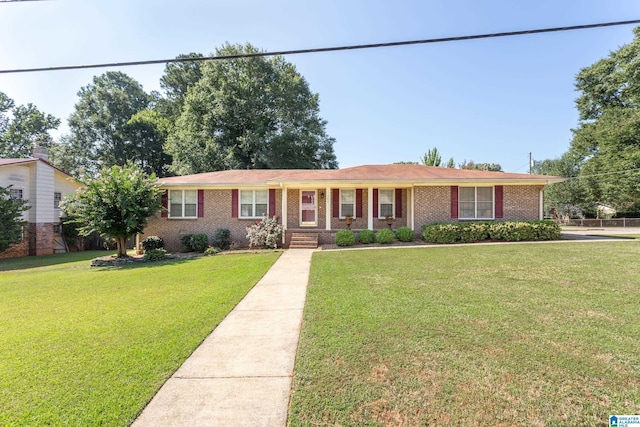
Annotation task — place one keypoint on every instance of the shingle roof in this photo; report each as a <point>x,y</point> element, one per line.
<point>11,162</point>
<point>408,173</point>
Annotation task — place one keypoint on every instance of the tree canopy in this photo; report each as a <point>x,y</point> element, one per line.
<point>117,204</point>
<point>22,127</point>
<point>10,219</point>
<point>249,113</point>
<point>606,142</point>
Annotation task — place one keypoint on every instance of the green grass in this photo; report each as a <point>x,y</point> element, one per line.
<point>531,334</point>
<point>90,347</point>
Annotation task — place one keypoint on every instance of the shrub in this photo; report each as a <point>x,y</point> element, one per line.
<point>265,233</point>
<point>366,236</point>
<point>440,233</point>
<point>185,241</point>
<point>384,236</point>
<point>199,242</point>
<point>222,238</point>
<point>212,250</point>
<point>404,234</point>
<point>155,254</point>
<point>345,238</point>
<point>152,242</point>
<point>511,231</point>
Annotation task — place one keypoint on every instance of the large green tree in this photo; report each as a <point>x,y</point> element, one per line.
<point>178,77</point>
<point>11,222</point>
<point>432,158</point>
<point>22,127</point>
<point>256,113</point>
<point>100,124</point>
<point>564,199</point>
<point>117,204</point>
<point>490,167</point>
<point>607,140</point>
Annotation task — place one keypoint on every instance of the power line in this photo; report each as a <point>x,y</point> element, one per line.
<point>323,49</point>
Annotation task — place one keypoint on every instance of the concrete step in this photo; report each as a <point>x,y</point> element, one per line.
<point>303,241</point>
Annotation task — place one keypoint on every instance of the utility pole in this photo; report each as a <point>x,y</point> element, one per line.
<point>530,163</point>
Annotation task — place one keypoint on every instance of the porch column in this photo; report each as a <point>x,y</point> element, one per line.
<point>284,207</point>
<point>328,203</point>
<point>370,208</point>
<point>541,209</point>
<point>412,208</point>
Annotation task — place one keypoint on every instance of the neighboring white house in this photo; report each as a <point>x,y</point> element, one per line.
<point>44,186</point>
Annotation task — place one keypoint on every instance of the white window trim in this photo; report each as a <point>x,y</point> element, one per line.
<point>393,202</point>
<point>340,215</point>
<point>253,203</point>
<point>54,200</point>
<point>183,205</point>
<point>475,203</point>
<point>18,190</point>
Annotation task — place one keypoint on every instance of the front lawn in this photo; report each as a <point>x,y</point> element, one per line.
<point>498,335</point>
<point>90,346</point>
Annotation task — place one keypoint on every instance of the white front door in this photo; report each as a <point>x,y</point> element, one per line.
<point>308,208</point>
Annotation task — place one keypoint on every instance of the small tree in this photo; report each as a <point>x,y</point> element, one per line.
<point>116,204</point>
<point>10,219</point>
<point>265,233</point>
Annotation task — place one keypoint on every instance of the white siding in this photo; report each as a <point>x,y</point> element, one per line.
<point>17,177</point>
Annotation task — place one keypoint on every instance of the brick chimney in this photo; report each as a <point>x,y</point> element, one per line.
<point>41,153</point>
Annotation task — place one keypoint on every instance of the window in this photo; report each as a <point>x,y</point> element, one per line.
<point>57,198</point>
<point>57,228</point>
<point>385,203</point>
<point>15,193</point>
<point>347,203</point>
<point>254,203</point>
<point>183,203</point>
<point>475,202</point>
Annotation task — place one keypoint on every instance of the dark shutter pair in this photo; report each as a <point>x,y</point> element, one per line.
<point>165,204</point>
<point>498,201</point>
<point>234,202</point>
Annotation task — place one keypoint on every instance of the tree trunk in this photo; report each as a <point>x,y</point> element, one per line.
<point>121,243</point>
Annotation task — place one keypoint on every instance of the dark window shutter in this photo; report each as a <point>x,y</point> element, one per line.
<point>398,202</point>
<point>499,195</point>
<point>200,203</point>
<point>454,201</point>
<point>234,203</point>
<point>359,203</point>
<point>272,202</point>
<point>335,203</point>
<point>375,203</point>
<point>164,199</point>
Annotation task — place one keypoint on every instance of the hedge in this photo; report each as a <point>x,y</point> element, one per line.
<point>509,231</point>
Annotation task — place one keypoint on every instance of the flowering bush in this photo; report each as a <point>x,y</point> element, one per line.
<point>265,233</point>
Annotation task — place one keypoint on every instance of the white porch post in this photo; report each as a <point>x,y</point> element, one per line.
<point>412,216</point>
<point>284,207</point>
<point>370,208</point>
<point>328,203</point>
<point>541,213</point>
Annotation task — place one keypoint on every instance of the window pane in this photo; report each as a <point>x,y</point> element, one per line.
<point>190,210</point>
<point>262,197</point>
<point>386,209</point>
<point>485,194</point>
<point>261,209</point>
<point>385,196</point>
<point>175,210</point>
<point>485,210</point>
<point>467,210</point>
<point>246,197</point>
<point>466,194</point>
<point>347,209</point>
<point>347,196</point>
<point>190,196</point>
<point>246,210</point>
<point>15,193</point>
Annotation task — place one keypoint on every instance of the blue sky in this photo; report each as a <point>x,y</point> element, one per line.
<point>492,100</point>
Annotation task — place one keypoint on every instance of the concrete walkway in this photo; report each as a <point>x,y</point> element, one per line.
<point>241,374</point>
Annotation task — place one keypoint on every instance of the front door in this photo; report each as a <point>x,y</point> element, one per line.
<point>308,209</point>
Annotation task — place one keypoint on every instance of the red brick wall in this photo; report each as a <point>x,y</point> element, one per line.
<point>433,204</point>
<point>217,214</point>
<point>41,239</point>
<point>19,249</point>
